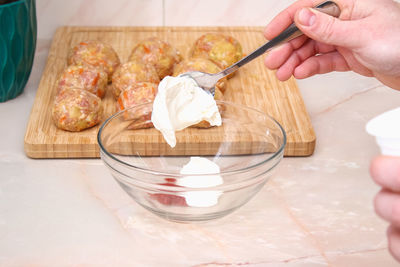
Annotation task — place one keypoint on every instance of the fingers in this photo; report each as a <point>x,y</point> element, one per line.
<point>286,17</point>
<point>327,29</point>
<point>314,65</point>
<point>385,171</point>
<point>387,206</point>
<point>295,59</point>
<point>393,235</point>
<point>321,64</point>
<point>279,55</point>
<point>303,62</point>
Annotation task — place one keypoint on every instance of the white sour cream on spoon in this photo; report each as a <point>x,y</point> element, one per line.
<point>180,103</point>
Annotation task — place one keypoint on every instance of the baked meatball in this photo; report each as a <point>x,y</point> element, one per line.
<point>85,77</point>
<point>158,53</point>
<point>203,65</point>
<point>139,93</point>
<point>130,73</point>
<point>96,54</point>
<point>76,109</point>
<point>221,49</point>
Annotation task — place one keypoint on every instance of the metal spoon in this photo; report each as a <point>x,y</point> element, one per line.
<point>207,81</point>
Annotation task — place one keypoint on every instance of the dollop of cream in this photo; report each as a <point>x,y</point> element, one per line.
<point>180,103</point>
<point>200,166</point>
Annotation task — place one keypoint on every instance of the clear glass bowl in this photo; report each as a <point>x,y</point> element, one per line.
<point>246,149</point>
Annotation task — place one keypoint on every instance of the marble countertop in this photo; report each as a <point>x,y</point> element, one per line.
<point>316,211</point>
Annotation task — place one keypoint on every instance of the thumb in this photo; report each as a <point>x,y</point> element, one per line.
<point>326,29</point>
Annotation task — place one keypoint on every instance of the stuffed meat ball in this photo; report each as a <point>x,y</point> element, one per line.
<point>221,49</point>
<point>130,73</point>
<point>75,109</point>
<point>85,77</point>
<point>158,53</point>
<point>139,93</point>
<point>96,54</point>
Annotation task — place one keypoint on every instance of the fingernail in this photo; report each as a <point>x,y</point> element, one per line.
<point>306,17</point>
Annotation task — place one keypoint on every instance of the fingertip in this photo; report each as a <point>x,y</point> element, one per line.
<point>278,56</point>
<point>268,62</point>
<point>302,73</point>
<point>307,69</point>
<point>305,16</point>
<point>385,171</point>
<point>283,75</point>
<point>279,23</point>
<point>308,21</point>
<point>267,32</point>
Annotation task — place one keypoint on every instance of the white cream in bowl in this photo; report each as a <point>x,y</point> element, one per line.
<point>200,167</point>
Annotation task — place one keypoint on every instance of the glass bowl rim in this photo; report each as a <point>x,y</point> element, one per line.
<point>177,175</point>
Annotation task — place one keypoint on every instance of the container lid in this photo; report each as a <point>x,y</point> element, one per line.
<point>386,125</point>
<point>386,129</point>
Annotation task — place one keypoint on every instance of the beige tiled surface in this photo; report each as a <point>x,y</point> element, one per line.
<point>367,258</point>
<point>222,12</point>
<point>317,211</point>
<point>55,13</point>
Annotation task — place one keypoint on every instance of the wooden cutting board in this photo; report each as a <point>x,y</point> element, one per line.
<point>253,86</point>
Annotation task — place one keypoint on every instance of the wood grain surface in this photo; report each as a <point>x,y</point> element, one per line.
<point>253,86</point>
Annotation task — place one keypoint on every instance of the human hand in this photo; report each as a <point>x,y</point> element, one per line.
<point>365,39</point>
<point>385,171</point>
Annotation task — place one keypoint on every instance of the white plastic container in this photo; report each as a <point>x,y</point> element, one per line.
<point>386,129</point>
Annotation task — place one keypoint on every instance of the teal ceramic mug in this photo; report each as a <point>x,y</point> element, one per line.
<point>18,33</point>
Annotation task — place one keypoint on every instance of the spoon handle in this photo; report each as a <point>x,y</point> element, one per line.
<point>291,32</point>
